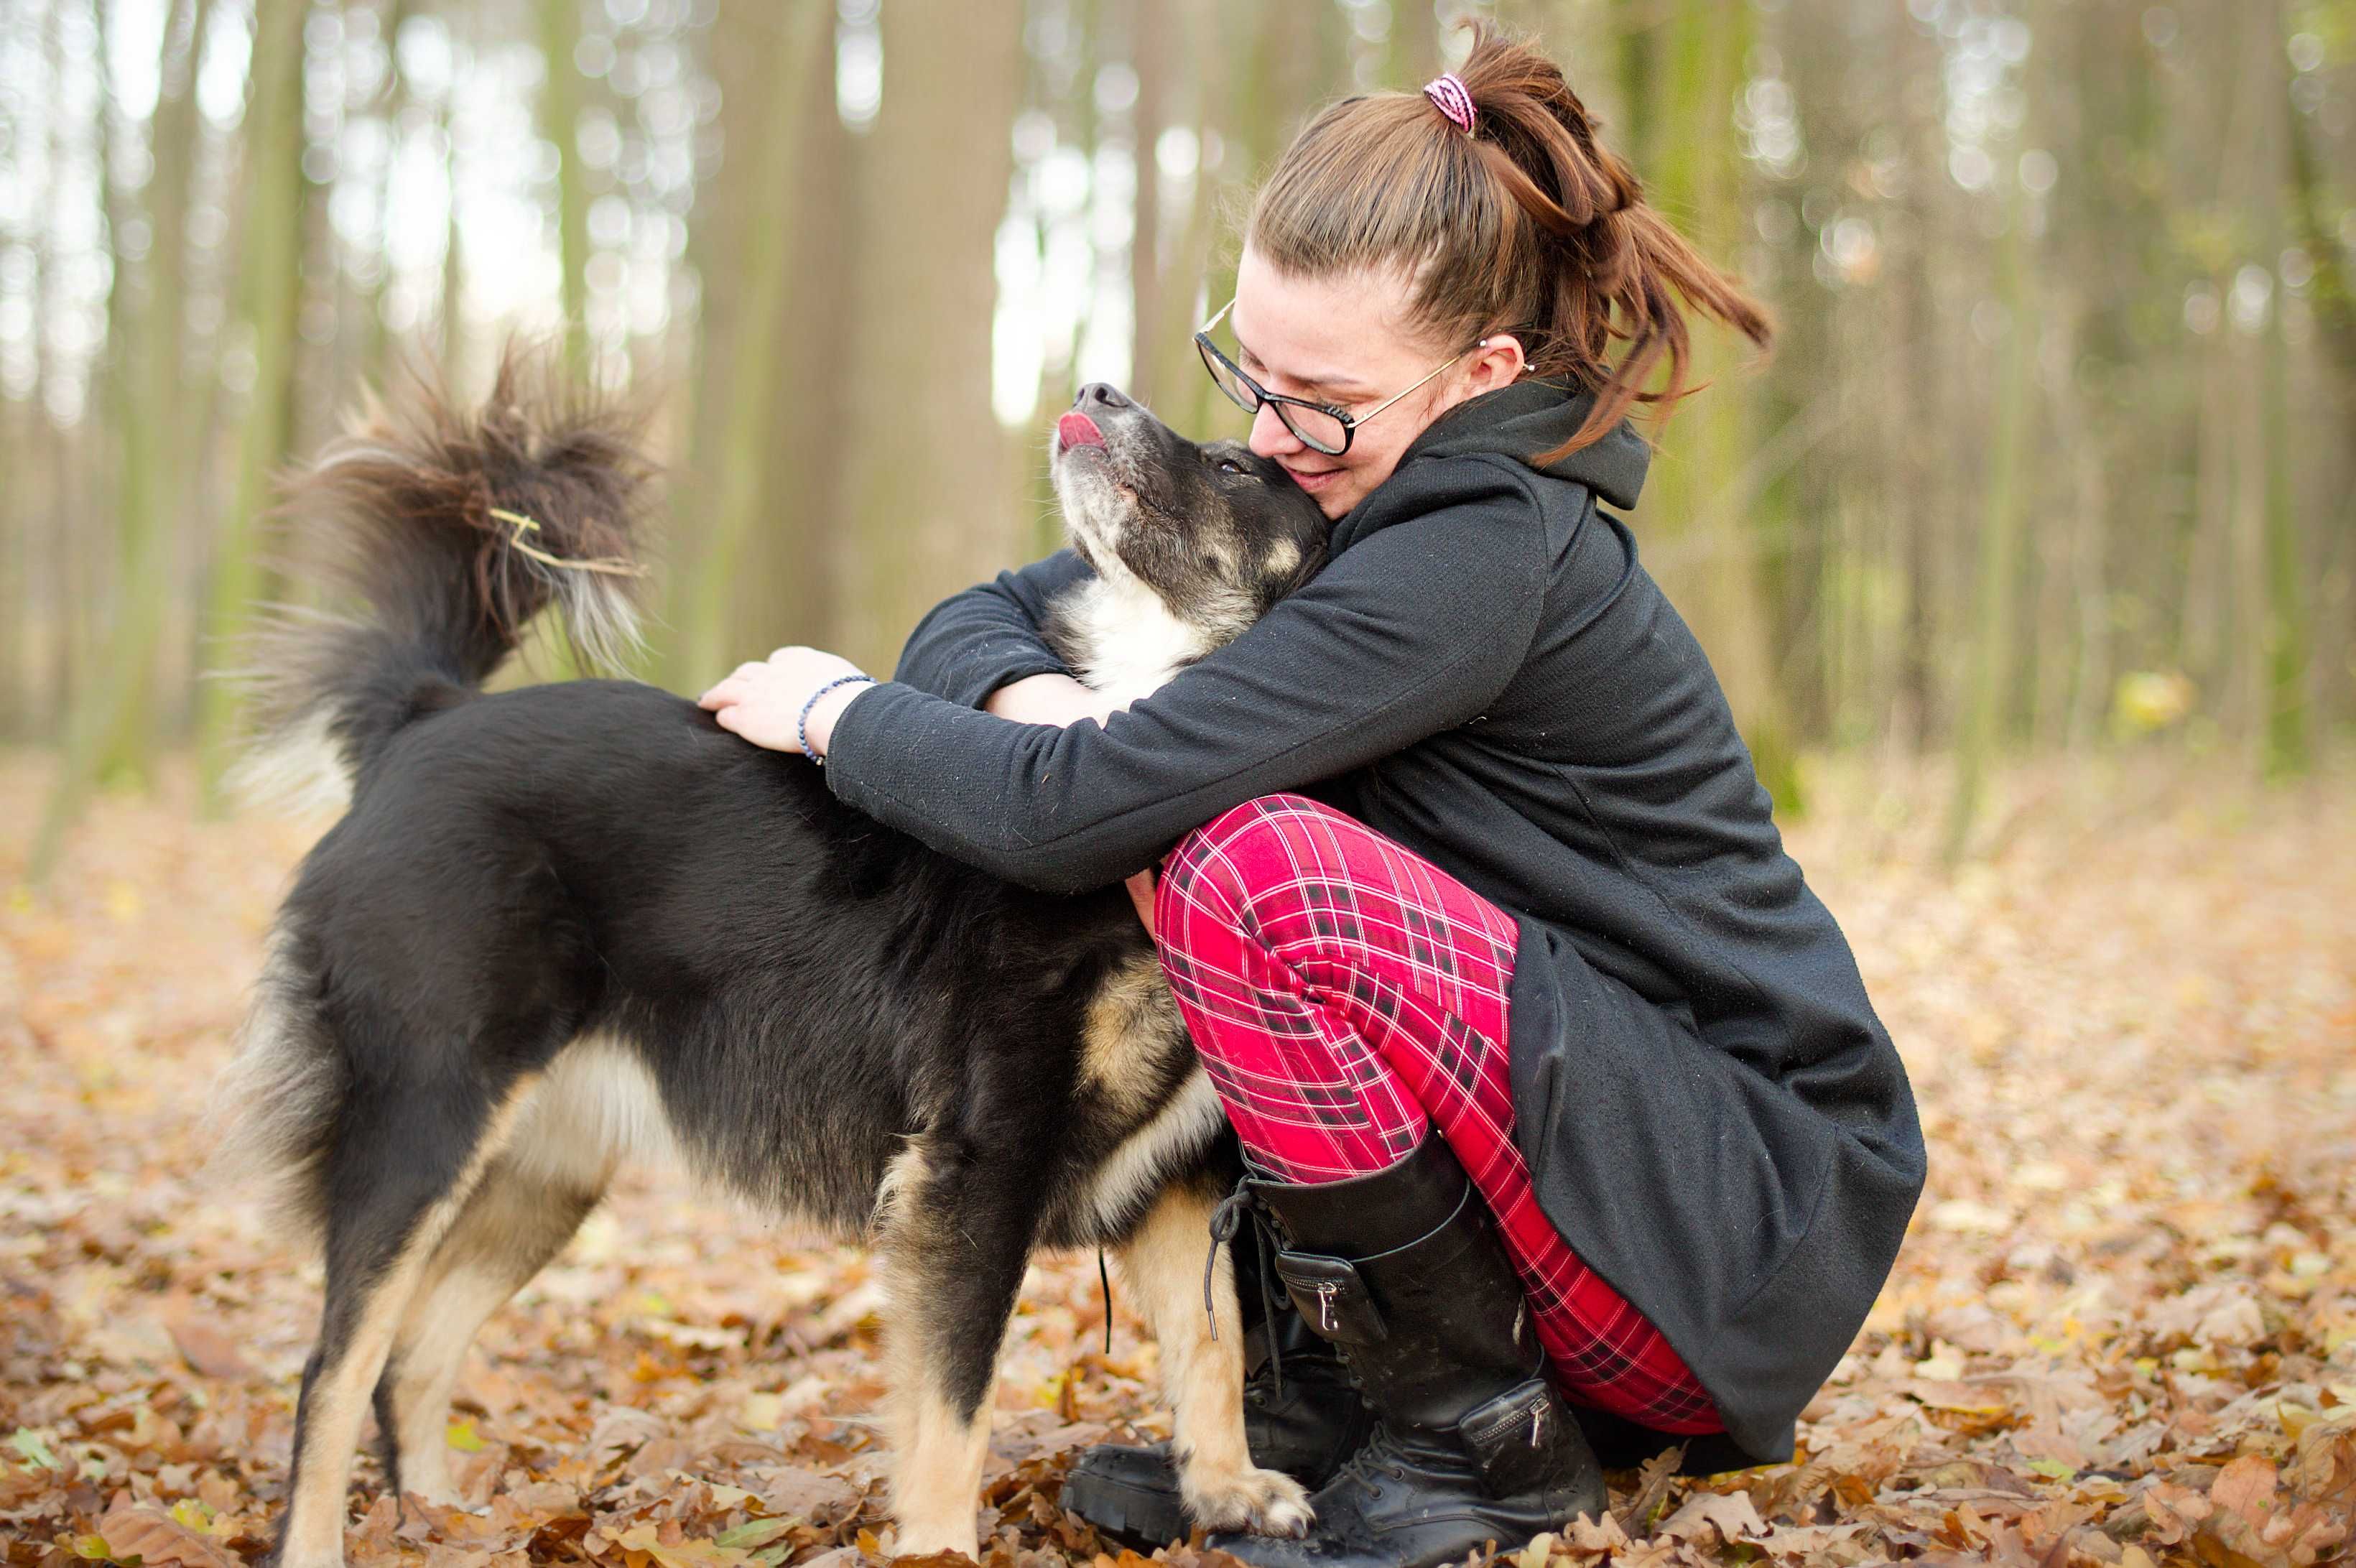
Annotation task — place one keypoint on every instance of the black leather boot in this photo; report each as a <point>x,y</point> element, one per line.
<point>1404,1272</point>
<point>1303,1423</point>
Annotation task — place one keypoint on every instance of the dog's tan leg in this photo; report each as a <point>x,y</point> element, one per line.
<point>363,1314</point>
<point>953,1259</point>
<point>509,1229</point>
<point>1203,1377</point>
<point>936,1474</point>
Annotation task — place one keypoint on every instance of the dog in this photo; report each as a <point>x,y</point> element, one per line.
<point>571,924</point>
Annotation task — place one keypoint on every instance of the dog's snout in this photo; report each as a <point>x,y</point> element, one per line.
<point>1099,395</point>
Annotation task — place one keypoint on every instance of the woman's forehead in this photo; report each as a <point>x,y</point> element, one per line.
<point>1344,330</point>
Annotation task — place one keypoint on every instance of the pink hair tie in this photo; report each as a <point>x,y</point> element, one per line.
<point>1449,96</point>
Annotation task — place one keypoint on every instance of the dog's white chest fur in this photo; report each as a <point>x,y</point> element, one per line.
<point>1125,641</point>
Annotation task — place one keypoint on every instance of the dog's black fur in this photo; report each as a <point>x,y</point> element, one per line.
<point>569,923</point>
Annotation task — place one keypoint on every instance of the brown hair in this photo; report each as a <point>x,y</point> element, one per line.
<point>1526,224</point>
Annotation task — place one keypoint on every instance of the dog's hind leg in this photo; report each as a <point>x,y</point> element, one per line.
<point>956,1238</point>
<point>512,1226</point>
<point>1203,1376</point>
<point>398,1177</point>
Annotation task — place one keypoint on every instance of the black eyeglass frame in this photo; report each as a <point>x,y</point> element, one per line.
<point>1213,360</point>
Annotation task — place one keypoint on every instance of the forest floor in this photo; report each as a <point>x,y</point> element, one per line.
<point>2122,1328</point>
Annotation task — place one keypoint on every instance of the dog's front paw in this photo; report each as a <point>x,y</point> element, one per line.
<point>1264,1502</point>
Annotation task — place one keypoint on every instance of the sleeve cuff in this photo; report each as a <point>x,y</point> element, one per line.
<point>843,747</point>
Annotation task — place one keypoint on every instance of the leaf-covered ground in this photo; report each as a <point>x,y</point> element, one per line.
<point>2123,1330</point>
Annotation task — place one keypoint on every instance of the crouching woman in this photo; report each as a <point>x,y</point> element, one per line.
<point>1576,1131</point>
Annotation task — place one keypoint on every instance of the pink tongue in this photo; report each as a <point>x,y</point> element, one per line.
<point>1078,430</point>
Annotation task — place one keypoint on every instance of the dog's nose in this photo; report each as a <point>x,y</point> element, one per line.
<point>1096,394</point>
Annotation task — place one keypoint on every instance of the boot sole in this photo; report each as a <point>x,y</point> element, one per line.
<point>1132,1514</point>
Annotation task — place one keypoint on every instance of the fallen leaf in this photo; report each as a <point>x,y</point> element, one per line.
<point>1727,1514</point>
<point>203,1342</point>
<point>157,1540</point>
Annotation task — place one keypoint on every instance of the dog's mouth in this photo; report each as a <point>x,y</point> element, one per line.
<point>1098,476</point>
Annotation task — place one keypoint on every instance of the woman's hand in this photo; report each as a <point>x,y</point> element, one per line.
<point>1141,894</point>
<point>1057,700</point>
<point>763,702</point>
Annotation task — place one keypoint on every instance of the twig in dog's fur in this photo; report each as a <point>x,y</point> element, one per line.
<point>612,566</point>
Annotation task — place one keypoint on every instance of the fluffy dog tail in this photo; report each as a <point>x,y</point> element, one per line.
<point>454,529</point>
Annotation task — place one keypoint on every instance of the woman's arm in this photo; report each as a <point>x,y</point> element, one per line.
<point>1411,632</point>
<point>982,643</point>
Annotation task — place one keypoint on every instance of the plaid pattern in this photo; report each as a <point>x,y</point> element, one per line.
<point>1346,994</point>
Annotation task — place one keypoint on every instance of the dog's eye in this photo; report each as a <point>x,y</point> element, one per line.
<point>1229,465</point>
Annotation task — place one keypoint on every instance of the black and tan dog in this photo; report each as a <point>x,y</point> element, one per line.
<point>572,924</point>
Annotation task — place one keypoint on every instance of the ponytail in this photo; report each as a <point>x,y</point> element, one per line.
<point>1521,223</point>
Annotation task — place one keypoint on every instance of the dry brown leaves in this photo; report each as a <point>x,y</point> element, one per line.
<point>2123,1328</point>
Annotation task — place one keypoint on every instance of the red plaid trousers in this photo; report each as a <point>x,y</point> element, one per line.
<point>1347,996</point>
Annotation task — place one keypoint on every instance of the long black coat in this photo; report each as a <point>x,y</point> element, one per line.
<point>1715,1118</point>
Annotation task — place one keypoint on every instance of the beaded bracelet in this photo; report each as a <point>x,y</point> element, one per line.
<point>801,725</point>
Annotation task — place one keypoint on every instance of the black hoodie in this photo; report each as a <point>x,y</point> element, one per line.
<point>1714,1118</point>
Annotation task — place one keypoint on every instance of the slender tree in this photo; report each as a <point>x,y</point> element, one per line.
<point>560,123</point>
<point>1683,70</point>
<point>2283,750</point>
<point>268,272</point>
<point>786,39</point>
<point>927,505</point>
<point>2003,518</point>
<point>1153,56</point>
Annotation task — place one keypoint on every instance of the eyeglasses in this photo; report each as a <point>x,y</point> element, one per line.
<point>1321,426</point>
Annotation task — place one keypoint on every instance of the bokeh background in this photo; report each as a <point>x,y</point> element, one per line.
<point>2027,558</point>
<point>2056,453</point>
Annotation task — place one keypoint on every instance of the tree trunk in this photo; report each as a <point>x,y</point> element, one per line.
<point>1177,384</point>
<point>1413,57</point>
<point>2284,751</point>
<point>1154,55</point>
<point>559,122</point>
<point>1683,71</point>
<point>743,486</point>
<point>450,324</point>
<point>269,269</point>
<point>393,99</point>
<point>2002,523</point>
<point>929,508</point>
<point>787,590</point>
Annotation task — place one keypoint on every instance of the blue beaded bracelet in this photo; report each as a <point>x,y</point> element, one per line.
<point>801,725</point>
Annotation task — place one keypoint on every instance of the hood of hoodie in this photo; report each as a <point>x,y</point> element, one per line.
<point>1531,417</point>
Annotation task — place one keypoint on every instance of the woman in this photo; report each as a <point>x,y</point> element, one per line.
<point>1474,889</point>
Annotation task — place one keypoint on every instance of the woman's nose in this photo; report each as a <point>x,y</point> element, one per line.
<point>1271,436</point>
<point>1098,395</point>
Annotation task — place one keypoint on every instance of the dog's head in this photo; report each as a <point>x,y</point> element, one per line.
<point>1216,532</point>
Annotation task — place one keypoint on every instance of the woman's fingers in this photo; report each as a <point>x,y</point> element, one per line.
<point>731,689</point>
<point>1140,893</point>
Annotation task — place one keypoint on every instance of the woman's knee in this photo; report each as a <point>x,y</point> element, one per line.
<point>1238,857</point>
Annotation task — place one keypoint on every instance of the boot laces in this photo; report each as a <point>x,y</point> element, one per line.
<point>1226,1220</point>
<point>1382,1453</point>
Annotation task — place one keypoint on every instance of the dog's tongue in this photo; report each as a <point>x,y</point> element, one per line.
<point>1078,430</point>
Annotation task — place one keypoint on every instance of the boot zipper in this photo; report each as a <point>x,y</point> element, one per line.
<point>1326,1291</point>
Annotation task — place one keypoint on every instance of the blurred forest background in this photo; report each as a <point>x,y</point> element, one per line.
<point>2057,450</point>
